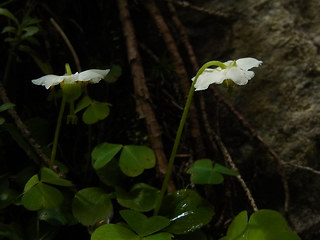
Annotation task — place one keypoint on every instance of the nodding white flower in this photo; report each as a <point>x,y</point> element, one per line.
<point>237,71</point>
<point>92,75</point>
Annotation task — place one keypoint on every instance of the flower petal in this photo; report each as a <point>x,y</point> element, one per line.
<point>208,77</point>
<point>94,75</point>
<point>48,80</point>
<point>247,63</point>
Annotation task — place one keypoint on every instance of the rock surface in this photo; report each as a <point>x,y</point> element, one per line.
<point>282,101</point>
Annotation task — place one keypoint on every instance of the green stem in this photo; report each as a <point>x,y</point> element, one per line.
<point>56,134</point>
<point>179,133</point>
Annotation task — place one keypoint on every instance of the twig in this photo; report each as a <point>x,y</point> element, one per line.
<point>201,9</point>
<point>301,167</point>
<point>254,133</point>
<point>142,97</point>
<point>225,153</point>
<point>22,127</point>
<point>65,38</point>
<point>180,71</point>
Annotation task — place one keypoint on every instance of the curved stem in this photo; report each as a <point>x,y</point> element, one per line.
<point>179,133</point>
<point>56,134</point>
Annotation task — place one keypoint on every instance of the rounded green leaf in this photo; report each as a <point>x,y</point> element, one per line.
<point>141,197</point>
<point>49,176</point>
<point>263,225</point>
<point>83,103</point>
<point>95,112</point>
<point>141,224</point>
<point>202,172</point>
<point>91,205</point>
<point>104,153</point>
<point>114,232</point>
<point>134,159</point>
<point>238,227</point>
<point>40,196</point>
<point>269,225</point>
<point>187,211</point>
<point>114,74</point>
<point>160,236</point>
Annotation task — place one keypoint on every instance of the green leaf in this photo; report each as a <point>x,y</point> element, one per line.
<point>142,225</point>
<point>114,232</point>
<point>111,174</point>
<point>104,153</point>
<point>134,159</point>
<point>263,225</point>
<point>30,31</point>
<point>9,15</point>
<point>2,120</point>
<point>6,106</point>
<point>187,211</point>
<point>203,172</point>
<point>141,197</point>
<point>91,205</point>
<point>159,236</point>
<point>27,21</point>
<point>49,176</point>
<point>57,216</point>
<point>224,170</point>
<point>114,74</point>
<point>38,195</point>
<point>9,29</point>
<point>269,225</point>
<point>83,103</point>
<point>95,112</point>
<point>238,227</point>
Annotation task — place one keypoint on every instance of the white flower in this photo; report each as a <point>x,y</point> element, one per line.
<point>92,75</point>
<point>237,71</point>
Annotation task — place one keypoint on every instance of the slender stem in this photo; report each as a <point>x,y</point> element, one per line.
<point>56,134</point>
<point>179,133</point>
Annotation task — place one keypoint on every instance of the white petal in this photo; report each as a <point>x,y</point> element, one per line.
<point>48,80</point>
<point>94,75</point>
<point>208,77</point>
<point>247,63</point>
<point>242,77</point>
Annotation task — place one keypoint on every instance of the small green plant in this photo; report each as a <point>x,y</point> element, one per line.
<point>121,207</point>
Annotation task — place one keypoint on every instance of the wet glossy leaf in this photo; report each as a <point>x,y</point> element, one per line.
<point>143,225</point>
<point>39,195</point>
<point>134,159</point>
<point>114,232</point>
<point>49,176</point>
<point>95,112</point>
<point>187,211</point>
<point>141,197</point>
<point>91,205</point>
<point>53,216</point>
<point>204,172</point>
<point>104,153</point>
